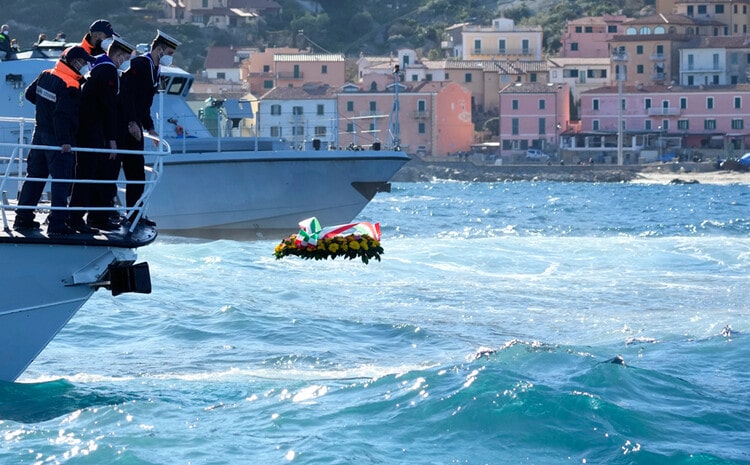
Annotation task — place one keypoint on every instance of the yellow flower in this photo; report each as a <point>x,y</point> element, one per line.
<point>333,248</point>
<point>354,245</point>
<point>363,244</point>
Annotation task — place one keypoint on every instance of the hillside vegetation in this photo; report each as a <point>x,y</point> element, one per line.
<point>373,27</point>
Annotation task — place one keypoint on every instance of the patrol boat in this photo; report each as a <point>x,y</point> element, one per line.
<point>48,278</point>
<point>234,187</point>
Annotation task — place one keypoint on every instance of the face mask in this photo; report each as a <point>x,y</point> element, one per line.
<point>124,66</point>
<point>84,69</point>
<point>106,43</point>
<point>165,60</point>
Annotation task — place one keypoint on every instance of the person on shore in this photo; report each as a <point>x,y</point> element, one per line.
<point>98,129</point>
<point>139,85</point>
<point>56,93</point>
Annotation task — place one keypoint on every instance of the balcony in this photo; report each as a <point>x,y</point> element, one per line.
<point>289,75</point>
<point>421,115</point>
<point>657,57</point>
<point>503,51</point>
<point>658,77</point>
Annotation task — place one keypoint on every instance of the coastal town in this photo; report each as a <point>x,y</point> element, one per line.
<point>670,85</point>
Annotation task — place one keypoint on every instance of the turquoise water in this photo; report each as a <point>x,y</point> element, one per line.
<point>489,334</point>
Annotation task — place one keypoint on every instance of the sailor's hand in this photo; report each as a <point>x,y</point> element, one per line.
<point>113,146</point>
<point>155,135</point>
<point>65,148</point>
<point>135,131</point>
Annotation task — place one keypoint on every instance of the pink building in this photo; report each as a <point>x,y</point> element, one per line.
<point>587,37</point>
<point>434,117</point>
<point>664,118</point>
<point>532,115</point>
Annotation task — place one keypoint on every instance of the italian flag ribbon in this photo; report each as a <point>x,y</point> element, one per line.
<point>311,231</point>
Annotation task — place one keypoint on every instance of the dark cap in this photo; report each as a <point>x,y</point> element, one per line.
<point>165,39</point>
<point>121,44</point>
<point>74,53</point>
<point>102,25</point>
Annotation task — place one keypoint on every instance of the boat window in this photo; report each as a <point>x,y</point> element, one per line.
<point>175,85</point>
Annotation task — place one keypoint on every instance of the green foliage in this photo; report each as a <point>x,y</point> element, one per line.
<point>350,27</point>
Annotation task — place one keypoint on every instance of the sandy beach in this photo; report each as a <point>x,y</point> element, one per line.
<point>708,177</point>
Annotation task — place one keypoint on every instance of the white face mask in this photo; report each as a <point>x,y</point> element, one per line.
<point>166,60</point>
<point>124,66</point>
<point>84,69</point>
<point>106,43</point>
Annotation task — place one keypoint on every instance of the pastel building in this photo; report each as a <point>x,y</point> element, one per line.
<point>434,118</point>
<point>502,40</point>
<point>532,115</point>
<point>665,117</point>
<point>715,61</point>
<point>588,37</point>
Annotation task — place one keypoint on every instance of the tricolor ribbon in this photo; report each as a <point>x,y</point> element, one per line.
<point>310,231</point>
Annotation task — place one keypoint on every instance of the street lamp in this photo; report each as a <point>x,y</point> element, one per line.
<point>620,57</point>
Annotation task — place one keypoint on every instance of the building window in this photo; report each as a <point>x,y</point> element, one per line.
<point>422,128</point>
<point>525,48</point>
<point>350,128</point>
<point>501,46</point>
<point>738,124</point>
<point>266,68</point>
<point>477,46</point>
<point>275,131</point>
<point>514,104</point>
<point>639,49</point>
<point>574,46</point>
<point>588,29</point>
<point>428,77</point>
<point>324,69</point>
<point>683,103</point>
<point>532,77</point>
<point>349,105</point>
<point>467,78</point>
<point>709,124</point>
<point>268,84</point>
<point>373,106</point>
<point>647,103</point>
<point>297,110</point>
<point>595,104</point>
<point>702,9</point>
<point>221,75</point>
<point>683,124</point>
<point>647,125</point>
<point>595,125</point>
<point>414,78</point>
<point>321,109</point>
<point>612,29</point>
<point>514,126</point>
<point>579,29</point>
<point>542,104</point>
<point>709,103</point>
<point>275,109</point>
<point>320,131</point>
<point>639,69</point>
<point>542,126</point>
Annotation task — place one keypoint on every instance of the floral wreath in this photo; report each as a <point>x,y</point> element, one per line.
<point>350,241</point>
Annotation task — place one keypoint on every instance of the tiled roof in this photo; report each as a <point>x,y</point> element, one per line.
<point>529,88</point>
<point>308,57</point>
<point>219,57</point>
<point>734,88</point>
<point>306,92</point>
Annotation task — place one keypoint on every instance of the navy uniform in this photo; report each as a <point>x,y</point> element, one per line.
<point>139,85</point>
<point>98,129</point>
<point>57,95</point>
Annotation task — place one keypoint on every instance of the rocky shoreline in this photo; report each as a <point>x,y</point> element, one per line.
<point>418,170</point>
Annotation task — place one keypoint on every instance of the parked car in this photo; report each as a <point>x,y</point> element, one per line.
<point>667,157</point>
<point>537,155</point>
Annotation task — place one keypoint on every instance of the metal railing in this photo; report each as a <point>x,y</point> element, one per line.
<point>14,172</point>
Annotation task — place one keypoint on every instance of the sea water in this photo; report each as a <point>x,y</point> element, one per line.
<point>507,323</point>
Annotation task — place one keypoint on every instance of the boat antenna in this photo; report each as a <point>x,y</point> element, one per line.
<point>393,124</point>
